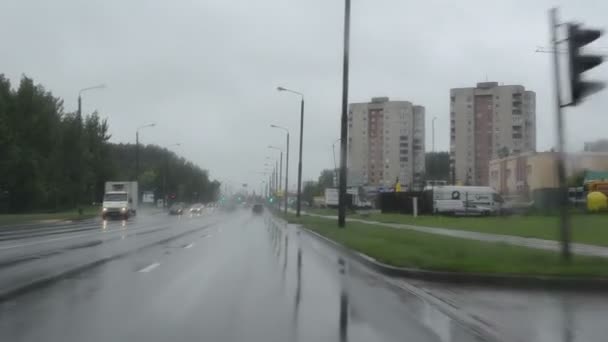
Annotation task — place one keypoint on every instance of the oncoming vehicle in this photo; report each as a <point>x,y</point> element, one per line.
<point>466,200</point>
<point>177,209</point>
<point>257,208</point>
<point>197,208</point>
<point>119,200</point>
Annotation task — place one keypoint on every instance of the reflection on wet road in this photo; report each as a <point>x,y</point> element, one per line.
<point>242,277</point>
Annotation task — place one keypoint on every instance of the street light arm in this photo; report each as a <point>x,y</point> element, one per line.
<point>280,127</point>
<point>146,125</point>
<point>290,91</point>
<point>99,86</point>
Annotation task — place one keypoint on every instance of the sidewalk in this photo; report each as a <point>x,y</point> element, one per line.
<point>551,245</point>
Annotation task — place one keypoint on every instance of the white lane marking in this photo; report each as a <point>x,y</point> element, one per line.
<point>188,246</point>
<point>149,268</point>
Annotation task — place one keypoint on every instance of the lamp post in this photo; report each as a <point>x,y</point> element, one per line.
<point>433,131</point>
<point>344,117</point>
<point>137,148</point>
<point>280,168</point>
<point>286,191</point>
<point>299,194</point>
<point>79,160</point>
<point>99,86</point>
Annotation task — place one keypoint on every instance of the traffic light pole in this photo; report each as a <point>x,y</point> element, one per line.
<point>560,165</point>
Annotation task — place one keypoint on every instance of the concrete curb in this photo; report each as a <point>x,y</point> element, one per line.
<point>486,279</point>
<point>36,283</point>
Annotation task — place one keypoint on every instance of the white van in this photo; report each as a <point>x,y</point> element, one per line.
<point>466,200</point>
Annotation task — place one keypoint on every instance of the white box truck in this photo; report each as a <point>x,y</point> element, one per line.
<point>466,200</point>
<point>331,198</point>
<point>120,200</point>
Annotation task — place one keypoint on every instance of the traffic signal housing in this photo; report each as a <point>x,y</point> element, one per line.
<point>579,62</point>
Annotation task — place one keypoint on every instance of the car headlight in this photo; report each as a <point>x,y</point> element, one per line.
<point>123,209</point>
<point>104,209</point>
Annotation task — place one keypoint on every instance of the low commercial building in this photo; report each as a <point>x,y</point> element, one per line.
<point>520,176</point>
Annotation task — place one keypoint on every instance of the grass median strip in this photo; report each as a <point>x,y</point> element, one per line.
<point>412,249</point>
<point>9,219</point>
<point>586,228</point>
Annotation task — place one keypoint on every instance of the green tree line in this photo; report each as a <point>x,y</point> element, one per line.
<point>52,160</point>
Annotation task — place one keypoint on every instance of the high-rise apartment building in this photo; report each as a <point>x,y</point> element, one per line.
<point>487,122</point>
<point>385,143</point>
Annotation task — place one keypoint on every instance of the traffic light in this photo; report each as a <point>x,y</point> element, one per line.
<point>579,63</point>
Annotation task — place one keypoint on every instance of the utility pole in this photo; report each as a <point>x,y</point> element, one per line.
<point>344,118</point>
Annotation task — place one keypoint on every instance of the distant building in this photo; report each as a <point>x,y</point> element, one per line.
<point>386,143</point>
<point>597,146</point>
<point>486,122</point>
<point>520,175</point>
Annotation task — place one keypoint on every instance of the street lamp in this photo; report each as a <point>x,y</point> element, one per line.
<point>286,192</point>
<point>165,195</point>
<point>433,131</point>
<point>273,164</point>
<point>280,165</point>
<point>99,86</point>
<point>137,148</point>
<point>344,117</point>
<point>299,195</point>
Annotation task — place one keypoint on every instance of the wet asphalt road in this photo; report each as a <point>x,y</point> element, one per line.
<point>240,277</point>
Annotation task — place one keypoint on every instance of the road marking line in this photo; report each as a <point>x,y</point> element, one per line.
<point>149,268</point>
<point>189,246</point>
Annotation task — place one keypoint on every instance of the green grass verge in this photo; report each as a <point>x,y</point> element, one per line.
<point>11,219</point>
<point>586,228</point>
<point>405,248</point>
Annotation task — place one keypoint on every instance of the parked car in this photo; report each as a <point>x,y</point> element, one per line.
<point>177,209</point>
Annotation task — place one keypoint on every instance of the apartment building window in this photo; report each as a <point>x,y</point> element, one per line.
<point>453,98</point>
<point>404,144</point>
<point>403,159</point>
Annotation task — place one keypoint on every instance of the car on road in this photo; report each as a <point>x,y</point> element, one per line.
<point>257,208</point>
<point>197,208</point>
<point>177,209</point>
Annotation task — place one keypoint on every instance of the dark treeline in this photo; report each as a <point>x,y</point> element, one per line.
<point>52,160</point>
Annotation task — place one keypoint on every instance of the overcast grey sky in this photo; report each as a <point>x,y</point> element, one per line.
<point>206,71</point>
